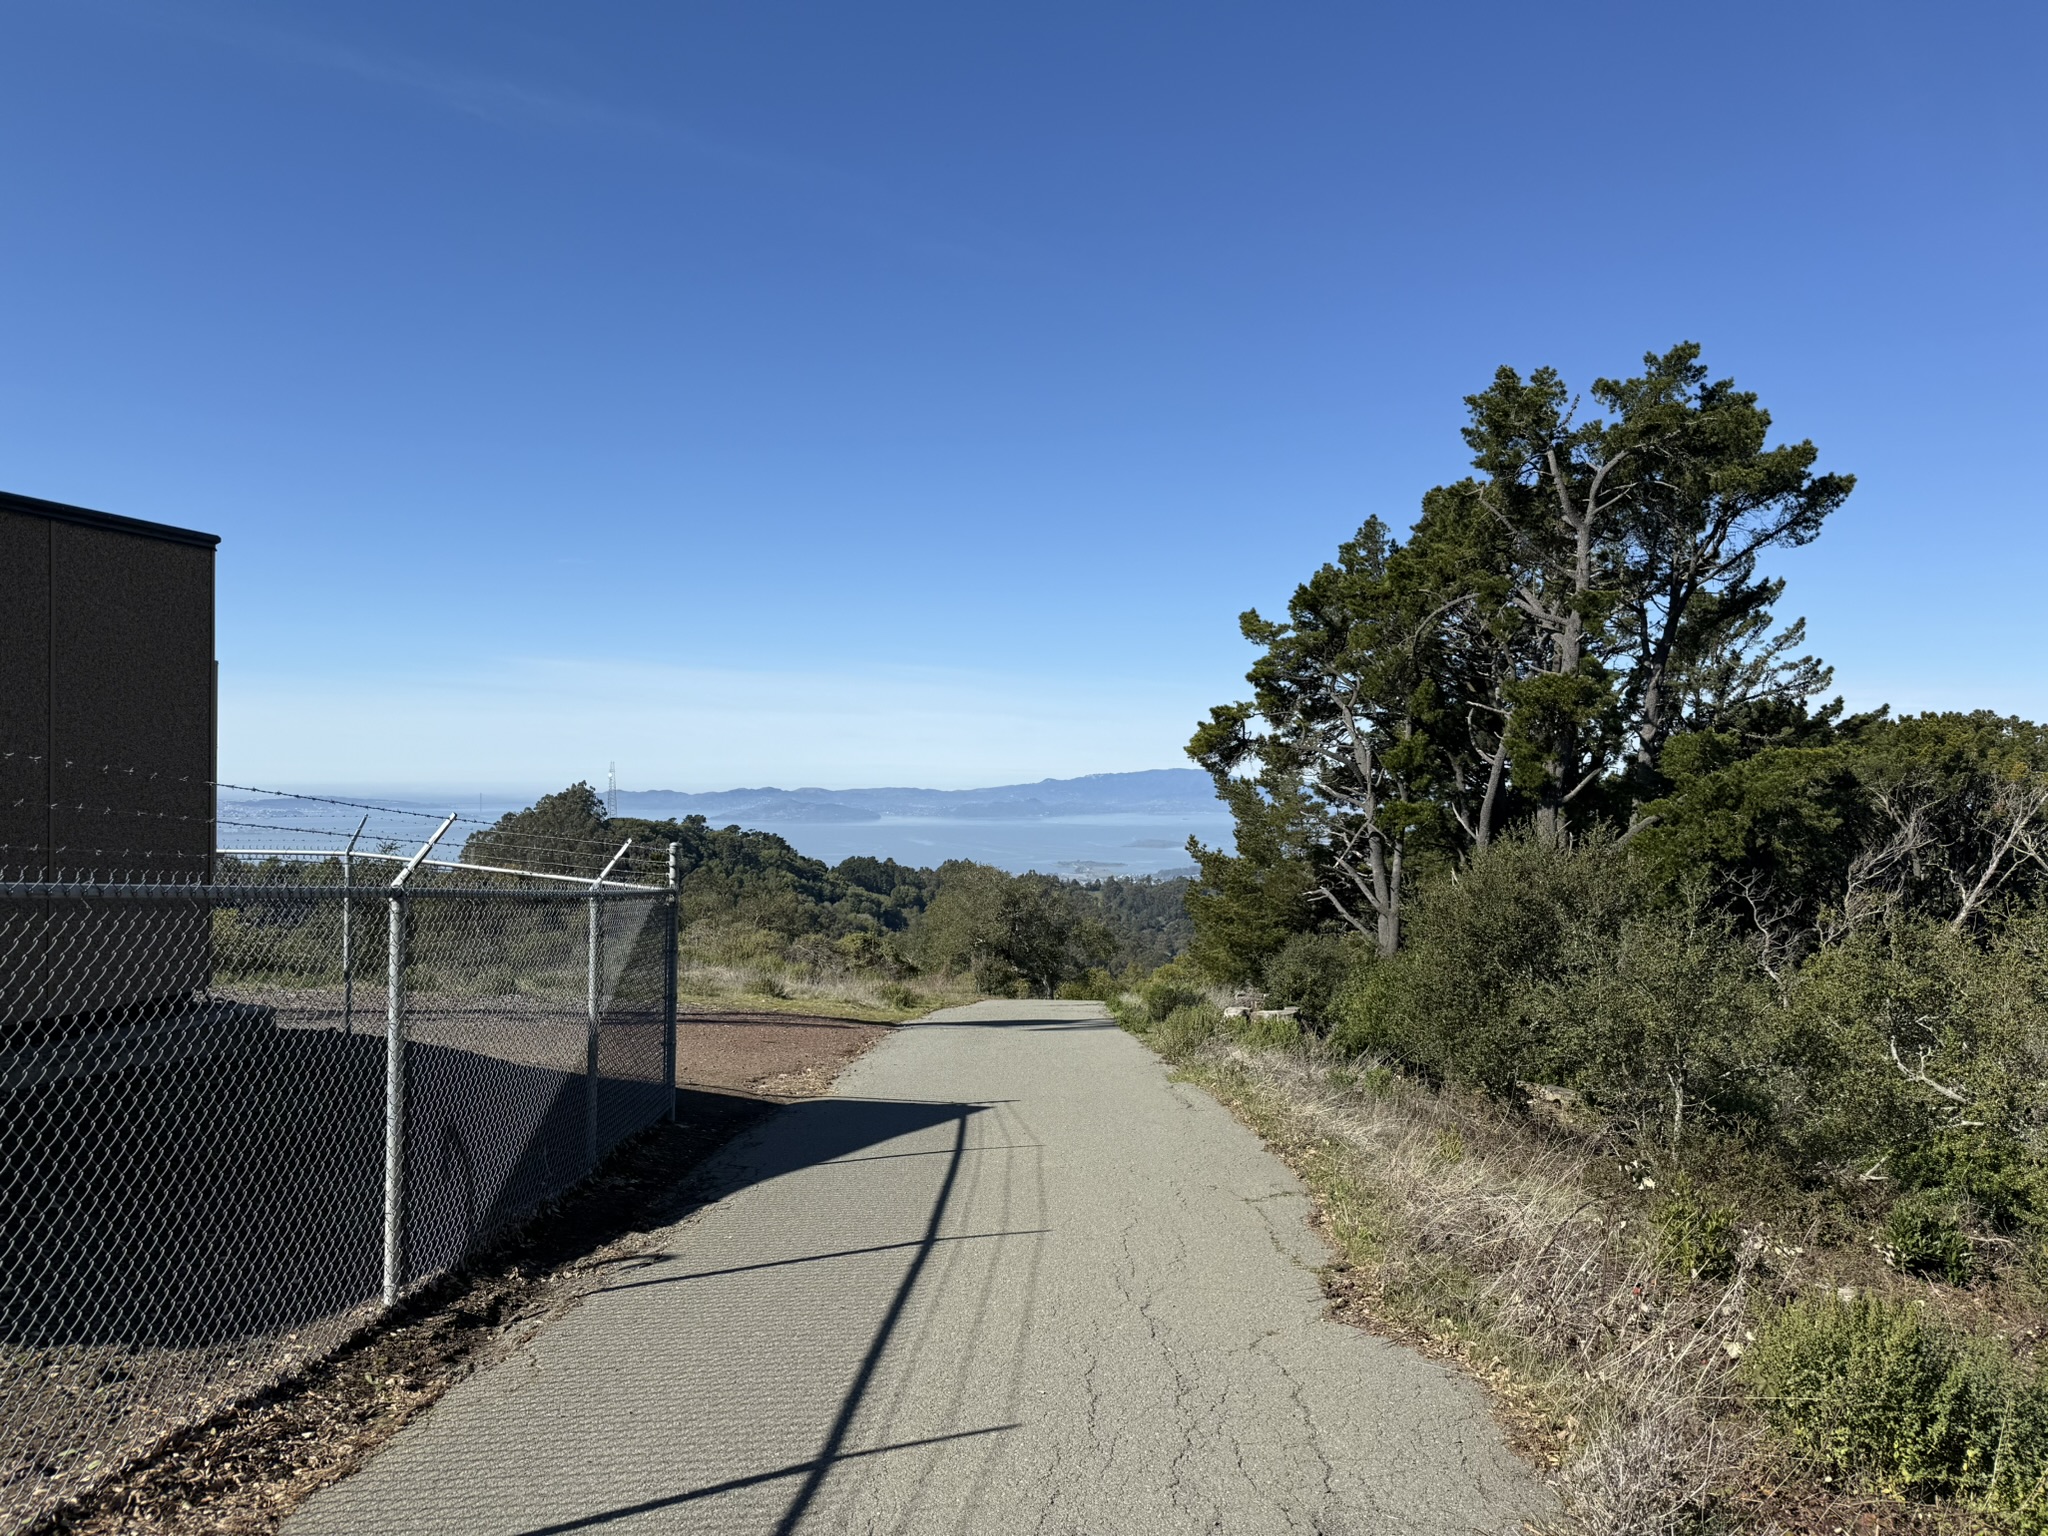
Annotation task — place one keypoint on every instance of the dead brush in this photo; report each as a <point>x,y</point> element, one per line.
<point>1485,1234</point>
<point>824,985</point>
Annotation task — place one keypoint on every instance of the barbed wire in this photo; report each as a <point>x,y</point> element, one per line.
<point>353,805</point>
<point>126,865</point>
<point>513,840</point>
<point>513,844</point>
<point>650,867</point>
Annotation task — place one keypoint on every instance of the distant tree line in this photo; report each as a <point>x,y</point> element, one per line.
<point>1028,932</point>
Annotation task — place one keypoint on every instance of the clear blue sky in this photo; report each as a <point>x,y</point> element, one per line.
<point>870,393</point>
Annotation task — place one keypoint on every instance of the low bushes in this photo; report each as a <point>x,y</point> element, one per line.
<point>1178,1014</point>
<point>1923,1235</point>
<point>1186,1028</point>
<point>1095,985</point>
<point>1879,1389</point>
<point>1908,1057</point>
<point>1170,987</point>
<point>1571,968</point>
<point>1310,972</point>
<point>1697,1234</point>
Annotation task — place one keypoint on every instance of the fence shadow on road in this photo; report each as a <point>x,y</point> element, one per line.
<point>806,1135</point>
<point>827,1130</point>
<point>991,1014</point>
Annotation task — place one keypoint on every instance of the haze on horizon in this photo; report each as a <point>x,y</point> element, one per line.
<point>910,394</point>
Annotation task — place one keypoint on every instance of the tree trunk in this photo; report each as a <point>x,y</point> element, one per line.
<point>1482,832</point>
<point>1389,915</point>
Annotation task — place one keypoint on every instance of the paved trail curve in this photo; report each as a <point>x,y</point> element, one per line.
<point>1005,1279</point>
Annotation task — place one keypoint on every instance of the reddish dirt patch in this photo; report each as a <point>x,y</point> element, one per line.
<point>242,1471</point>
<point>781,1054</point>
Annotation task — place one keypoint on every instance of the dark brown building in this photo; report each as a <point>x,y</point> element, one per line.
<point>107,736</point>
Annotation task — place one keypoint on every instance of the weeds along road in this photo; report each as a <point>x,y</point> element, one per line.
<point>1006,1278</point>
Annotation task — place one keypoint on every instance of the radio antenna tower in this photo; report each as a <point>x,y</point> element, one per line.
<point>611,792</point>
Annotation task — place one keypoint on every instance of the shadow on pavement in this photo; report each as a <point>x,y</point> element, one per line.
<point>804,1135</point>
<point>971,1017</point>
<point>734,1485</point>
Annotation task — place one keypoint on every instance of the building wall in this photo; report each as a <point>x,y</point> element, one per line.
<point>107,737</point>
<point>24,696</point>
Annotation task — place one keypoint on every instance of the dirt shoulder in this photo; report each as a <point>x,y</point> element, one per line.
<point>243,1471</point>
<point>757,1051</point>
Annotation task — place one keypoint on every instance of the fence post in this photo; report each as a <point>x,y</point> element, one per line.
<point>394,1105</point>
<point>668,1032</point>
<point>590,1041</point>
<point>348,953</point>
<point>395,1076</point>
<point>596,1010</point>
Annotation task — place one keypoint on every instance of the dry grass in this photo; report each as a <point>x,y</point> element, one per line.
<point>726,964</point>
<point>772,988</point>
<point>1512,1244</point>
<point>1470,1231</point>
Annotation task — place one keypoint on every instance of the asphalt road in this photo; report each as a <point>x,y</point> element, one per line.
<point>1005,1279</point>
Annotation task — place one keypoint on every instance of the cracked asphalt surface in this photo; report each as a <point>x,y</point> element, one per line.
<point>1006,1278</point>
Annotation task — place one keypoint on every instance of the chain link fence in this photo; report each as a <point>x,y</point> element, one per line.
<point>239,1117</point>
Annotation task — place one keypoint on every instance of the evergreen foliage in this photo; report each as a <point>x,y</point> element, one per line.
<point>1553,622</point>
<point>1542,801</point>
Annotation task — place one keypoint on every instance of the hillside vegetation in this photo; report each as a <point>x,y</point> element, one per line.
<point>1669,1040</point>
<point>763,925</point>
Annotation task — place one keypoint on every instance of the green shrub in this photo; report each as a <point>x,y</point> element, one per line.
<point>1969,1015</point>
<point>1094,986</point>
<point>1168,988</point>
<point>1666,1025</point>
<point>1276,1031</point>
<point>1310,972</point>
<point>1186,1028</point>
<point>1696,1235</point>
<point>993,976</point>
<point>1879,1391</point>
<point>1371,1016</point>
<point>1572,967</point>
<point>1458,1000</point>
<point>1923,1235</point>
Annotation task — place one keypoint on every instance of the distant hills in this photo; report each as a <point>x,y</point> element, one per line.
<point>1156,791</point>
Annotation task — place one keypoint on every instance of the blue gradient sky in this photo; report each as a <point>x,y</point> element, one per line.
<point>916,393</point>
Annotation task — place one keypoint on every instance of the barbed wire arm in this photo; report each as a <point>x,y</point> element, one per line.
<point>419,858</point>
<point>602,874</point>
